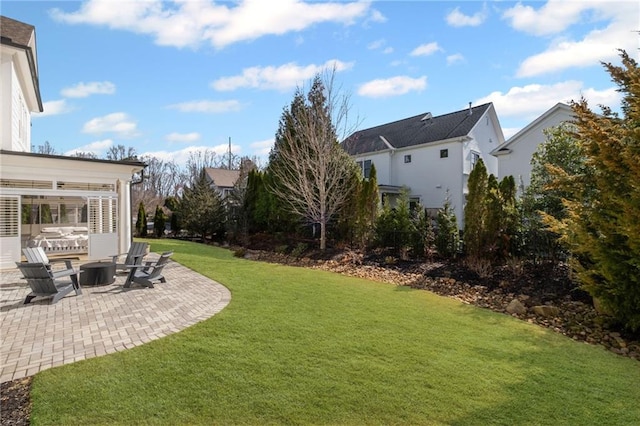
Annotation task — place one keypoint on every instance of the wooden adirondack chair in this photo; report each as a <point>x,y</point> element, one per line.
<point>37,255</point>
<point>149,273</point>
<point>136,253</point>
<point>43,284</point>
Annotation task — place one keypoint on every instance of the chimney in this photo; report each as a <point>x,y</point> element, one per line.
<point>470,111</point>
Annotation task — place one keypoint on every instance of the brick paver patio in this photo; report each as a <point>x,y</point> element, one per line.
<point>104,319</point>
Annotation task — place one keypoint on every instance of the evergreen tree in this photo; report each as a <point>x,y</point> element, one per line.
<point>447,238</point>
<point>602,224</point>
<point>367,209</point>
<point>202,209</point>
<point>159,221</point>
<point>312,174</point>
<point>475,211</point>
<point>141,223</point>
<point>561,154</point>
<point>173,204</point>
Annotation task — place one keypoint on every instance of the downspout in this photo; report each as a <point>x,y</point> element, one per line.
<point>131,200</point>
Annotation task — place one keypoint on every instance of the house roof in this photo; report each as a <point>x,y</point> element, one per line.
<point>506,147</point>
<point>222,178</point>
<point>416,130</point>
<point>21,36</point>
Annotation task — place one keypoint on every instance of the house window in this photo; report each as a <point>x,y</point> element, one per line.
<point>475,157</point>
<point>444,153</point>
<point>407,158</point>
<point>365,166</point>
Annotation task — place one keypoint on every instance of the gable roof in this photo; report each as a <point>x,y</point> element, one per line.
<point>416,130</point>
<point>19,35</point>
<point>222,178</point>
<point>559,108</point>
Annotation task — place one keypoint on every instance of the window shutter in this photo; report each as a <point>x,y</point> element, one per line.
<point>9,217</point>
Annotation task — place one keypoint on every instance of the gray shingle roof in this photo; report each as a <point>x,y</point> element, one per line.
<point>15,32</point>
<point>414,130</point>
<point>223,178</point>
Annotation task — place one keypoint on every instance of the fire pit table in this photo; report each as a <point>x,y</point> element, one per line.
<point>98,273</point>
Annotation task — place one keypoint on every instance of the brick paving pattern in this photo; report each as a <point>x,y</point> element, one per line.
<point>103,320</point>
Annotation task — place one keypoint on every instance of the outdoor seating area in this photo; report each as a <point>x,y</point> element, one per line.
<point>96,320</point>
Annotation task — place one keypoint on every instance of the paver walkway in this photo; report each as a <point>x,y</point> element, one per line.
<point>103,320</point>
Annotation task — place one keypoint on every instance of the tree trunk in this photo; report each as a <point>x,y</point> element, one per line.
<point>323,235</point>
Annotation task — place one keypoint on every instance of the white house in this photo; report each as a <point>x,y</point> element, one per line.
<point>430,155</point>
<point>222,180</point>
<point>514,156</point>
<point>63,204</point>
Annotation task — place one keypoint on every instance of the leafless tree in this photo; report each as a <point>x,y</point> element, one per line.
<point>46,148</point>
<point>314,176</point>
<point>197,161</point>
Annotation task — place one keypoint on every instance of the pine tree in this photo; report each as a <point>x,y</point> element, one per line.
<point>367,208</point>
<point>202,209</point>
<point>603,209</point>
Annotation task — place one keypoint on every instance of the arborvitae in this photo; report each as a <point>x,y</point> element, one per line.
<point>603,221</point>
<point>447,239</point>
<point>159,221</point>
<point>367,209</point>
<point>141,223</point>
<point>475,212</point>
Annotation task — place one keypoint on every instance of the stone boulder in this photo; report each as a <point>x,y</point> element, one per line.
<point>516,307</point>
<point>546,311</point>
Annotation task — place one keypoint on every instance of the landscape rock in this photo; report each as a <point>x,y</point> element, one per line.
<point>546,311</point>
<point>516,307</point>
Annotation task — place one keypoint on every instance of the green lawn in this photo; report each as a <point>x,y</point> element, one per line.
<point>298,346</point>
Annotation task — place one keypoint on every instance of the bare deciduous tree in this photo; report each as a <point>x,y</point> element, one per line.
<point>313,175</point>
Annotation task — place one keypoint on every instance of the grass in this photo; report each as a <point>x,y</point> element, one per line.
<point>298,346</point>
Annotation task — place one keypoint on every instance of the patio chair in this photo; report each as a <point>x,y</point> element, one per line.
<point>149,273</point>
<point>37,255</point>
<point>43,284</point>
<point>136,253</point>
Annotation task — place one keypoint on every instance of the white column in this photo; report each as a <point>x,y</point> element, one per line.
<point>124,202</point>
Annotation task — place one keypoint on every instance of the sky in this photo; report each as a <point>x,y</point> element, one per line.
<point>168,78</point>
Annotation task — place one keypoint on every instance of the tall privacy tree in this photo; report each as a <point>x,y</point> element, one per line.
<point>141,223</point>
<point>603,209</point>
<point>447,238</point>
<point>312,173</point>
<point>202,210</point>
<point>475,211</point>
<point>561,154</point>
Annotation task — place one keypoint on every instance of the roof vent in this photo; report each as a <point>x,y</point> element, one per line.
<point>427,117</point>
<point>470,110</point>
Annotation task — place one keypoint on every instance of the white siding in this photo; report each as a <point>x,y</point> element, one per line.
<point>15,115</point>
<point>518,162</point>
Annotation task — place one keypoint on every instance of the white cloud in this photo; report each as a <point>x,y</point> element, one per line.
<point>393,86</point>
<point>459,19</point>
<point>82,90</point>
<point>613,25</point>
<point>189,23</point>
<point>212,107</point>
<point>262,148</point>
<point>181,156</point>
<point>98,148</point>
<point>426,49</point>
<point>528,102</point>
<point>455,59</point>
<point>53,108</point>
<point>117,122</point>
<point>284,77</point>
<point>183,137</point>
<point>376,44</point>
<point>553,17</point>
<point>376,16</point>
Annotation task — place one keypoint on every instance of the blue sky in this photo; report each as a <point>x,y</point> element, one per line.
<point>170,77</point>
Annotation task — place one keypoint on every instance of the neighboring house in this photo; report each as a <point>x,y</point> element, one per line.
<point>514,156</point>
<point>63,204</point>
<point>222,180</point>
<point>429,155</point>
